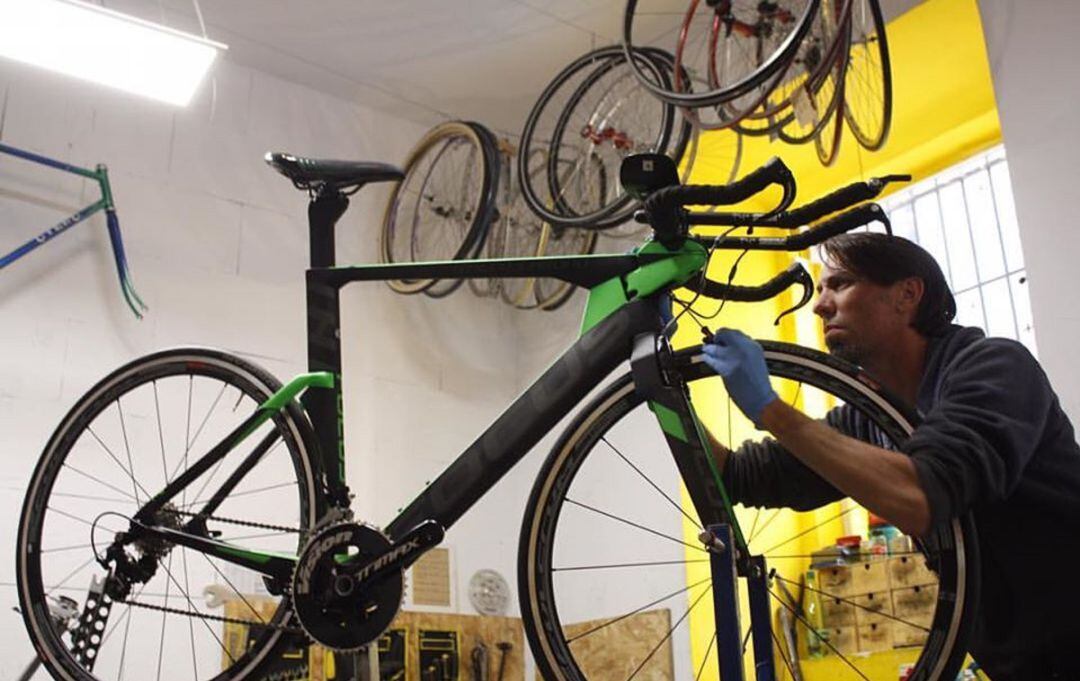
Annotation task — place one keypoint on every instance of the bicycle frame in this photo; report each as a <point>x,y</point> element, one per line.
<point>100,175</point>
<point>622,322</point>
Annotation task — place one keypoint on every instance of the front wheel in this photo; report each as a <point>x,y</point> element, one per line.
<point>186,615</point>
<point>614,583</point>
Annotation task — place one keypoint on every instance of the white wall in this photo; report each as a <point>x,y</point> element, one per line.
<point>217,243</point>
<point>1033,52</point>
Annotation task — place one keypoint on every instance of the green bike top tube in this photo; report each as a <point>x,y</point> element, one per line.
<point>682,264</point>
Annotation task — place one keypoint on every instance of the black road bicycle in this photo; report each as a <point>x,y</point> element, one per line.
<point>191,473</point>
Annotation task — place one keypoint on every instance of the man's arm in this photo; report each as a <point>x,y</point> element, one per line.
<point>883,481</point>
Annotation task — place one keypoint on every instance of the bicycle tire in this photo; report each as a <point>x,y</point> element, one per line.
<point>153,384</point>
<point>825,102</point>
<point>551,294</point>
<point>399,240</point>
<point>557,528</point>
<point>495,239</point>
<point>765,68</point>
<point>813,66</point>
<point>544,131</point>
<point>831,134</point>
<point>869,49</point>
<point>486,214</point>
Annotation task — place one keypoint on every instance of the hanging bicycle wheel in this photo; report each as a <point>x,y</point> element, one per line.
<point>831,133</point>
<point>552,294</point>
<point>594,113</point>
<point>800,100</point>
<point>440,210</point>
<point>610,550</point>
<point>727,48</point>
<point>150,611</point>
<point>868,92</point>
<point>814,107</point>
<point>495,239</point>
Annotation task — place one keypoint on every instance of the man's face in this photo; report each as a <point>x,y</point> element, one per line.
<point>862,319</point>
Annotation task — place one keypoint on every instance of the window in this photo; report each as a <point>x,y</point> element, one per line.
<point>966,218</point>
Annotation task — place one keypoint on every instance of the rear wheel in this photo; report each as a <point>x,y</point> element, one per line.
<point>609,549</point>
<point>137,429</point>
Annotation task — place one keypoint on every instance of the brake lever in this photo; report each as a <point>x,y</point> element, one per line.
<point>803,278</point>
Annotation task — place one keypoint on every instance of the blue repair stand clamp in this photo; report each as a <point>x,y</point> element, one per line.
<point>729,645</point>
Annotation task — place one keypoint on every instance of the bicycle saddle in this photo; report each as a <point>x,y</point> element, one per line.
<point>309,173</point>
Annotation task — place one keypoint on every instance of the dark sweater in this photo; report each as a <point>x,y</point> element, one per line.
<point>994,442</point>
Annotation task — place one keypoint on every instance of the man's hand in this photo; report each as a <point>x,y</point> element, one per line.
<point>741,362</point>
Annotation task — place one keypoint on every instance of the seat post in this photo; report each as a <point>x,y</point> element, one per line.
<point>324,211</point>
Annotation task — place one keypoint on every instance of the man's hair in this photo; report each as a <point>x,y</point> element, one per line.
<point>885,260</point>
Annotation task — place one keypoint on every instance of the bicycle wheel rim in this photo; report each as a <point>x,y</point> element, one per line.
<point>766,68</point>
<point>602,119</point>
<point>160,368</point>
<point>421,195</point>
<point>485,213</point>
<point>868,108</point>
<point>546,615</point>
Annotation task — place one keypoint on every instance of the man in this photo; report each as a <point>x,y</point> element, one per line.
<point>993,442</point>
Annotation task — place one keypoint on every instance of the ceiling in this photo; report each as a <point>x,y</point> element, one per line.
<point>425,60</point>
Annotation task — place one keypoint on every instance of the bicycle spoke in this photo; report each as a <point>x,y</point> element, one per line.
<point>620,618</point>
<point>633,524</point>
<point>853,603</point>
<point>61,549</point>
<point>704,660</point>
<point>652,484</point>
<point>783,656</point>
<point>817,635</point>
<point>99,481</point>
<point>809,530</point>
<point>669,633</point>
<point>161,438</point>
<point>257,490</point>
<point>134,483</point>
<point>67,578</point>
<point>127,450</point>
<point>161,644</point>
<point>768,520</point>
<point>622,565</point>
<point>258,617</point>
<point>194,609</point>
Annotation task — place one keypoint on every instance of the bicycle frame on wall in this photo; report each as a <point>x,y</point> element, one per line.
<point>100,175</point>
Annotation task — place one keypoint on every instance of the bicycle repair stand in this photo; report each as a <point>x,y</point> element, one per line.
<point>725,568</point>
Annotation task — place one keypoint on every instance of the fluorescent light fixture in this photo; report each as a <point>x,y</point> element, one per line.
<point>106,47</point>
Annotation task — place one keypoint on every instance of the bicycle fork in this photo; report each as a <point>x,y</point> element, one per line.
<point>729,558</point>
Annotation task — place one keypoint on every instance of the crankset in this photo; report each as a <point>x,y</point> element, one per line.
<point>349,581</point>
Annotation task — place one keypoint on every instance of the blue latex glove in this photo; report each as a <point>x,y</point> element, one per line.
<point>741,361</point>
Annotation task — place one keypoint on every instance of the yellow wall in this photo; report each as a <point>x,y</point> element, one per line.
<point>943,112</point>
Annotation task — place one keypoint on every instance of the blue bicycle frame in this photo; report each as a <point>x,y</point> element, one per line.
<point>101,176</point>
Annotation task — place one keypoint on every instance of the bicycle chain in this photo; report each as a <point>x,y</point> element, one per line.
<point>219,618</point>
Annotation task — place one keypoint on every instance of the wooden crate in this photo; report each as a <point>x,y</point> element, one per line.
<point>872,608</point>
<point>870,576</point>
<point>836,612</point>
<point>910,570</point>
<point>835,580</point>
<point>843,639</point>
<point>875,637</point>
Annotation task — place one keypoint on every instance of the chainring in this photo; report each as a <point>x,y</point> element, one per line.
<point>329,606</point>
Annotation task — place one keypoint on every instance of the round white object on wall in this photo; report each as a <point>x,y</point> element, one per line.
<point>489,593</point>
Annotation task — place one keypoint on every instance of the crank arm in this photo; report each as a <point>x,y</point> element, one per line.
<point>402,554</point>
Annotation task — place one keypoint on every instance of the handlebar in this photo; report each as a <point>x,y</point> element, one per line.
<point>844,197</point>
<point>795,274</point>
<point>838,224</point>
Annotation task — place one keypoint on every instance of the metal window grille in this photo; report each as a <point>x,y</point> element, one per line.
<point>966,218</point>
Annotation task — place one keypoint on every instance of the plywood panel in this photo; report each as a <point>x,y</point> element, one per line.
<point>616,650</point>
<point>471,629</point>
